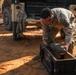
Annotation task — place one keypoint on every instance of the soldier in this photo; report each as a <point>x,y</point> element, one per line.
<point>21,19</point>
<point>55,20</point>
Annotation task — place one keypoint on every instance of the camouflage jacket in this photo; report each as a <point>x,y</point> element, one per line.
<point>63,17</point>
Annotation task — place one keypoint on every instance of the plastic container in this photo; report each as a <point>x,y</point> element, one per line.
<point>66,65</point>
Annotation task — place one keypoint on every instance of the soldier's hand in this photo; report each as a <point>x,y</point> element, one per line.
<point>66,48</point>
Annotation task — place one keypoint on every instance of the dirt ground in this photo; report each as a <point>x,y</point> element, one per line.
<point>16,56</point>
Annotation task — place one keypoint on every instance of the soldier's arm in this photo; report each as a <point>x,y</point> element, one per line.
<point>69,31</point>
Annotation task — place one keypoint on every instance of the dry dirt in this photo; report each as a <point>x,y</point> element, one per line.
<point>16,56</point>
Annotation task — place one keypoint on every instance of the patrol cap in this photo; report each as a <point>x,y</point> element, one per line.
<point>46,12</point>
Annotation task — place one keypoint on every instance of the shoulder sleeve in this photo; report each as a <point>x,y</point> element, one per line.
<point>64,20</point>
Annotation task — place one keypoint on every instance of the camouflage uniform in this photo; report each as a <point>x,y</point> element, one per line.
<point>21,18</point>
<point>64,19</point>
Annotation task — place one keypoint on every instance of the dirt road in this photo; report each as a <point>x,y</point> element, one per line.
<point>16,56</point>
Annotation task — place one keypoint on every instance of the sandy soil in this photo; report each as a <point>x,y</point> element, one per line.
<point>16,56</point>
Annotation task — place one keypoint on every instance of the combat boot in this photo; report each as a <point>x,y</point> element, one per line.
<point>37,57</point>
